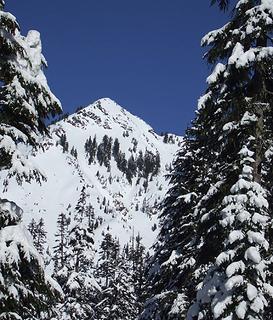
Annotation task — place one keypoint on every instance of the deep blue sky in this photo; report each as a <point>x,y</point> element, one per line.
<point>144,54</point>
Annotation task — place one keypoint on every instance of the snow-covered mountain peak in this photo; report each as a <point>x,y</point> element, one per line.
<point>109,115</point>
<point>106,106</point>
<point>109,161</point>
<point>106,117</point>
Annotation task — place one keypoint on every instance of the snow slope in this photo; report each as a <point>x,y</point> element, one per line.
<point>121,207</point>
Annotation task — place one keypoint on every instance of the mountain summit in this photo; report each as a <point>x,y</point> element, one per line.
<point>108,161</point>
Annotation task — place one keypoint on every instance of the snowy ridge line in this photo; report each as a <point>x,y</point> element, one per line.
<point>122,203</point>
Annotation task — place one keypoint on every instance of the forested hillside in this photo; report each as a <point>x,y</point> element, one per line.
<point>102,218</point>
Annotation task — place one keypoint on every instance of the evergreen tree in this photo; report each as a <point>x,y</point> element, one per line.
<point>40,241</point>
<point>157,164</point>
<point>32,226</point>
<point>74,152</point>
<point>122,162</point>
<point>175,250</point>
<point>107,141</point>
<point>91,149</point>
<point>26,293</point>
<point>137,255</point>
<point>61,245</point>
<point>121,290</point>
<point>140,162</point>
<point>109,252</point>
<point>166,138</point>
<point>114,274</point>
<point>81,204</point>
<point>214,250</point>
<point>90,215</point>
<point>37,230</point>
<point>25,97</point>
<point>64,143</point>
<point>77,280</point>
<point>116,148</point>
<point>87,145</point>
<point>151,164</point>
<point>131,169</point>
<point>135,143</point>
<point>104,151</point>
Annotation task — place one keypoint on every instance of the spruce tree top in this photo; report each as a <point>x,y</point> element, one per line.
<point>25,98</point>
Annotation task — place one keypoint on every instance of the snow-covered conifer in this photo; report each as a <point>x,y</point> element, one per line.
<point>108,257</point>
<point>26,292</point>
<point>37,230</point>
<point>213,256</point>
<point>114,272</point>
<point>137,256</point>
<point>170,268</point>
<point>61,242</point>
<point>26,100</point>
<point>76,273</point>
